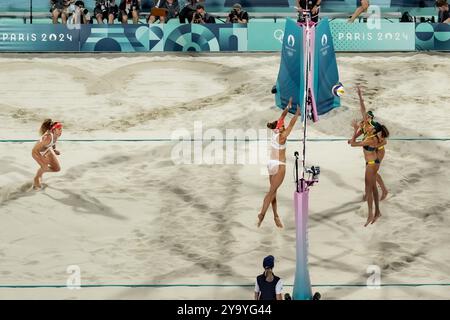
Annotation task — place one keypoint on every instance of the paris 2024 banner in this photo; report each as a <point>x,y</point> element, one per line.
<point>255,36</point>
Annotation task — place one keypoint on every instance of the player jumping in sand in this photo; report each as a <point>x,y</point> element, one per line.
<point>362,128</point>
<point>44,151</point>
<point>277,163</point>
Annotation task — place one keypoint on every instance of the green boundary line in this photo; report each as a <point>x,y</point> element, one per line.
<point>193,140</point>
<point>215,285</point>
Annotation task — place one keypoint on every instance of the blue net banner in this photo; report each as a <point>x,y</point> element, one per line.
<point>433,36</point>
<point>326,73</point>
<point>39,38</point>
<point>114,38</point>
<point>291,79</point>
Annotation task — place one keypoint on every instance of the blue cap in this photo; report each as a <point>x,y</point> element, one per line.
<point>268,262</point>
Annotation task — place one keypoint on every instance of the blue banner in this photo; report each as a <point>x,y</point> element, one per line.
<point>325,69</point>
<point>156,37</point>
<point>433,36</point>
<point>291,82</point>
<point>266,36</point>
<point>384,36</point>
<point>118,38</point>
<point>263,36</point>
<point>208,37</point>
<point>39,38</point>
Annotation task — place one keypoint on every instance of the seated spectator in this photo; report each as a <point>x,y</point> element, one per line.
<point>188,11</point>
<point>59,8</point>
<point>259,3</point>
<point>312,5</point>
<point>201,16</point>
<point>78,14</point>
<point>106,10</point>
<point>171,8</point>
<point>237,15</point>
<point>363,8</point>
<point>444,16</point>
<point>129,9</point>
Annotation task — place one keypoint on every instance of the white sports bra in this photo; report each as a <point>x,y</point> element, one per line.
<point>50,145</point>
<point>275,143</point>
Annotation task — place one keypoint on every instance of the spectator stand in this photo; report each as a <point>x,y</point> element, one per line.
<point>26,17</point>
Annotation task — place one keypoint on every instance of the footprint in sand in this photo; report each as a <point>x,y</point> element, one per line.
<point>15,192</point>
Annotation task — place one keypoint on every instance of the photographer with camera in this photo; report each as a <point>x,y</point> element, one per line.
<point>78,14</point>
<point>106,9</point>
<point>189,9</point>
<point>59,8</point>
<point>237,15</point>
<point>171,8</point>
<point>312,6</point>
<point>201,16</point>
<point>129,9</point>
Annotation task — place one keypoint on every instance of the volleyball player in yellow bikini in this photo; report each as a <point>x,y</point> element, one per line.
<point>362,128</point>
<point>374,140</point>
<point>370,144</point>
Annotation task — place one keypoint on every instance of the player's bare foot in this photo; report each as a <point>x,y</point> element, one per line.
<point>377,216</point>
<point>369,220</point>
<point>260,219</point>
<point>37,183</point>
<point>278,222</point>
<point>383,195</point>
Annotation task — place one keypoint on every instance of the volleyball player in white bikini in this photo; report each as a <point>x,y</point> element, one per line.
<point>277,163</point>
<point>44,151</point>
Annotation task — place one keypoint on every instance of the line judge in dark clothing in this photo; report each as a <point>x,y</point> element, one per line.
<point>268,286</point>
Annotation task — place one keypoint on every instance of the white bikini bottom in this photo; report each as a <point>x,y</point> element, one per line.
<point>272,166</point>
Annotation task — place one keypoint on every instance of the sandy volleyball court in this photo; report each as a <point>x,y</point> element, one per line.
<point>124,212</point>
